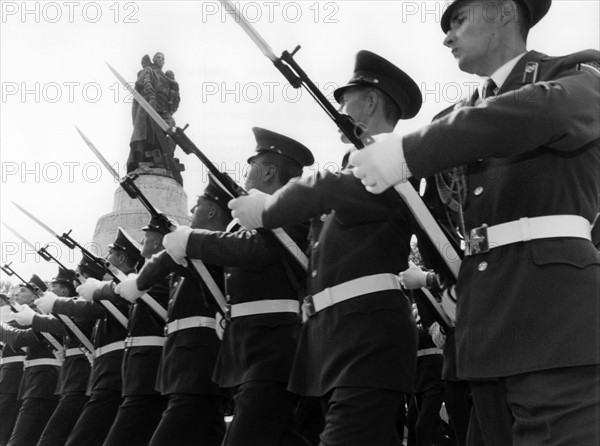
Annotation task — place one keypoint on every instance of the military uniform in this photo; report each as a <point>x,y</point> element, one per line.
<point>74,373</point>
<point>532,151</point>
<point>142,406</point>
<point>367,342</point>
<point>37,386</point>
<point>11,372</point>
<point>195,411</point>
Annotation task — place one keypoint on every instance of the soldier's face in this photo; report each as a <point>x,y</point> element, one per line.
<point>58,289</point>
<point>474,35</point>
<point>353,104</point>
<point>24,296</point>
<point>257,175</point>
<point>151,243</point>
<point>202,212</point>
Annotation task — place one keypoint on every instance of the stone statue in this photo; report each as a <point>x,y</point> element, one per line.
<point>150,148</point>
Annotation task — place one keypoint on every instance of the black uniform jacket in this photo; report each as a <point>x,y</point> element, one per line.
<point>140,364</point>
<point>256,347</point>
<point>188,357</point>
<point>38,381</point>
<point>370,340</point>
<point>75,370</point>
<point>533,150</point>
<point>11,373</point>
<point>106,371</point>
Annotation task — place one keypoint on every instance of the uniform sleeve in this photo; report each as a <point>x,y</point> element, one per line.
<point>155,269</point>
<point>242,248</point>
<point>17,337</point>
<point>47,323</point>
<point>560,114</point>
<point>77,308</point>
<point>322,193</point>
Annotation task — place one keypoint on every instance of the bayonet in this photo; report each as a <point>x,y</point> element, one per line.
<point>357,135</point>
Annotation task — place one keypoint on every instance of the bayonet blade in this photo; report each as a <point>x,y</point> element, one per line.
<point>249,29</point>
<point>23,239</point>
<point>99,155</point>
<point>38,221</point>
<point>140,99</point>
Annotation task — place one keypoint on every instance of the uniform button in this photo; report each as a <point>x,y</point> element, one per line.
<point>323,217</point>
<point>316,245</point>
<point>482,266</point>
<point>314,273</point>
<point>478,190</point>
<point>227,275</point>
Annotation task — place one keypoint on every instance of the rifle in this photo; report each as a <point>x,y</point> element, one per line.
<point>66,321</point>
<point>223,180</point>
<point>357,135</point>
<point>70,243</point>
<point>195,268</point>
<point>50,338</point>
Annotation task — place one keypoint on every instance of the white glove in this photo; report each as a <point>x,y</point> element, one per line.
<point>59,354</point>
<point>46,303</point>
<point>128,289</point>
<point>439,338</point>
<point>413,278</point>
<point>25,315</point>
<point>382,164</point>
<point>248,209</point>
<point>86,290</point>
<point>90,357</point>
<point>175,243</point>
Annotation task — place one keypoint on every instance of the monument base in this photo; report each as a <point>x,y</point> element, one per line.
<point>161,189</point>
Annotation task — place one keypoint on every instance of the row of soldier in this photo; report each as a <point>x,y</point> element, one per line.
<point>335,369</point>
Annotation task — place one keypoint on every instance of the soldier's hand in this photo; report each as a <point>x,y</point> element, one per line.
<point>25,315</point>
<point>439,338</point>
<point>248,209</point>
<point>413,278</point>
<point>90,357</point>
<point>59,354</point>
<point>86,291</point>
<point>382,164</point>
<point>46,303</point>
<point>175,243</point>
<point>128,288</point>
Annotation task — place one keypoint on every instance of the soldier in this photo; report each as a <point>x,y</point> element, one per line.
<point>11,371</point>
<point>357,349</point>
<point>109,334</point>
<point>40,375</point>
<point>526,330</point>
<point>142,406</point>
<point>260,339</point>
<point>75,371</point>
<point>195,412</point>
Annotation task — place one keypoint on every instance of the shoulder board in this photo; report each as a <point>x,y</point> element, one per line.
<point>448,110</point>
<point>591,67</point>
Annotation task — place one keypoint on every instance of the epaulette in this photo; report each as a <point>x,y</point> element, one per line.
<point>591,67</point>
<point>447,111</point>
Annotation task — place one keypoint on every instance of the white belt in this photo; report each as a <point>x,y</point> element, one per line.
<point>114,346</point>
<point>264,307</point>
<point>352,288</point>
<point>484,238</point>
<point>11,359</point>
<point>190,322</point>
<point>144,341</point>
<point>76,351</point>
<point>430,351</point>
<point>41,361</point>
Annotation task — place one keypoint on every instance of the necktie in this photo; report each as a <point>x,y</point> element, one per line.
<point>489,89</point>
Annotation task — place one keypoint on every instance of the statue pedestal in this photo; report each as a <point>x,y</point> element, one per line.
<point>165,194</point>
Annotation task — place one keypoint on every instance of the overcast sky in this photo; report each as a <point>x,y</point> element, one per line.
<point>53,77</point>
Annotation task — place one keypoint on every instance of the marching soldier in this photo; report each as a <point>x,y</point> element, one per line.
<point>526,330</point>
<point>357,349</point>
<point>109,335</point>
<point>11,371</point>
<point>195,411</point>
<point>142,407</point>
<point>75,371</point>
<point>40,375</point>
<point>260,339</point>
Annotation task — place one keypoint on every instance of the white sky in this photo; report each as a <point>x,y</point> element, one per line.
<point>53,77</point>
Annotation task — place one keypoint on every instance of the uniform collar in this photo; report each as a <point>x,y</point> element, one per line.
<point>501,74</point>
